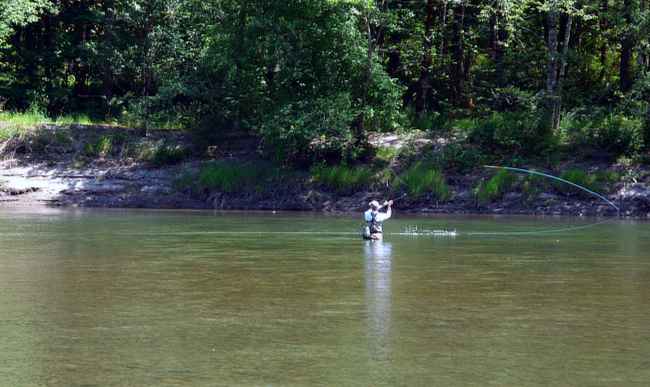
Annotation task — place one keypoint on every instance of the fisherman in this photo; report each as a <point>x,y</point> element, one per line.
<point>374,219</point>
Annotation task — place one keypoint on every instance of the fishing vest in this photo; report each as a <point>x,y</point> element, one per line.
<point>373,225</point>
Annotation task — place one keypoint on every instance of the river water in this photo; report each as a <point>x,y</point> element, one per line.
<point>155,298</point>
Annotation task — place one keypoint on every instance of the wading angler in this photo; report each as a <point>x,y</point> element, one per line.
<point>374,219</point>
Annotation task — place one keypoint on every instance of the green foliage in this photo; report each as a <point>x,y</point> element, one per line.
<point>421,179</point>
<point>100,148</point>
<point>431,121</point>
<point>10,131</point>
<point>312,78</point>
<point>613,133</point>
<point>303,132</point>
<point>35,117</point>
<point>459,158</point>
<point>512,99</point>
<point>533,185</point>
<point>509,132</point>
<point>342,179</point>
<point>231,177</point>
<point>169,155</point>
<point>384,156</point>
<point>494,188</point>
<point>20,12</point>
<point>601,181</point>
<point>162,153</point>
<point>579,177</point>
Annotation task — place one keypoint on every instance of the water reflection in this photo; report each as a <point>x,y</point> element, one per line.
<point>378,262</point>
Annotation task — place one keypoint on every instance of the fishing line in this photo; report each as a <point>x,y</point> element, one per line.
<point>553,230</point>
<point>535,232</point>
<point>531,172</point>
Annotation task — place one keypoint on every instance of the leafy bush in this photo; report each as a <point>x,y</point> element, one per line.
<point>511,132</point>
<point>169,155</point>
<point>640,99</point>
<point>421,179</point>
<point>512,99</point>
<point>533,185</point>
<point>600,181</point>
<point>613,133</point>
<point>383,110</point>
<point>305,131</point>
<point>35,116</point>
<point>102,147</point>
<point>430,121</point>
<point>495,187</point>
<point>459,158</point>
<point>342,178</point>
<point>384,156</point>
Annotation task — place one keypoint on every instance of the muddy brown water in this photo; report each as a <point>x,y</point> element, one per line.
<point>156,298</point>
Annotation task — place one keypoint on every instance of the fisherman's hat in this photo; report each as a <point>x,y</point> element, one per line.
<point>374,204</point>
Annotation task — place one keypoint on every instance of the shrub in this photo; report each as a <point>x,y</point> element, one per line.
<point>102,147</point>
<point>342,178</point>
<point>421,179</point>
<point>512,99</point>
<point>305,131</point>
<point>597,182</point>
<point>613,133</point>
<point>430,121</point>
<point>495,187</point>
<point>459,158</point>
<point>533,185</point>
<point>231,177</point>
<point>509,132</point>
<point>169,154</point>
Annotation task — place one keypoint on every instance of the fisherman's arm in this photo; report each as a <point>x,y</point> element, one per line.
<point>387,214</point>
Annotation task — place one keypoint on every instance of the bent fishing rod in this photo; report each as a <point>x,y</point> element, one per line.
<point>527,232</point>
<point>533,172</point>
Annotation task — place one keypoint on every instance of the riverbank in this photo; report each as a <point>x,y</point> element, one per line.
<point>101,166</point>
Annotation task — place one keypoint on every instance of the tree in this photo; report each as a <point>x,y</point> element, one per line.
<point>15,13</point>
<point>557,60</point>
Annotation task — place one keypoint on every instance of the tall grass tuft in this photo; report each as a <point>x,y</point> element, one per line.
<point>35,117</point>
<point>342,178</point>
<point>597,182</point>
<point>230,177</point>
<point>495,187</point>
<point>421,179</point>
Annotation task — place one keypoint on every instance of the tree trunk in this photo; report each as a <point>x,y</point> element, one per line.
<point>80,67</point>
<point>552,99</point>
<point>458,71</point>
<point>443,29</point>
<point>501,36</point>
<point>643,58</point>
<point>563,63</point>
<point>556,67</point>
<point>627,47</point>
<point>107,79</point>
<point>424,83</point>
<point>604,25</point>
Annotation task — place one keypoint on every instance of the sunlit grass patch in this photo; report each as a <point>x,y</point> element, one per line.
<point>32,118</point>
<point>342,178</point>
<point>421,179</point>
<point>494,188</point>
<point>601,181</point>
<point>231,176</point>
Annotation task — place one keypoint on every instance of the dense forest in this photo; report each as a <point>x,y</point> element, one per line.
<point>312,78</point>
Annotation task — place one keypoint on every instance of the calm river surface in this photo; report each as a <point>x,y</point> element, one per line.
<point>116,298</point>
